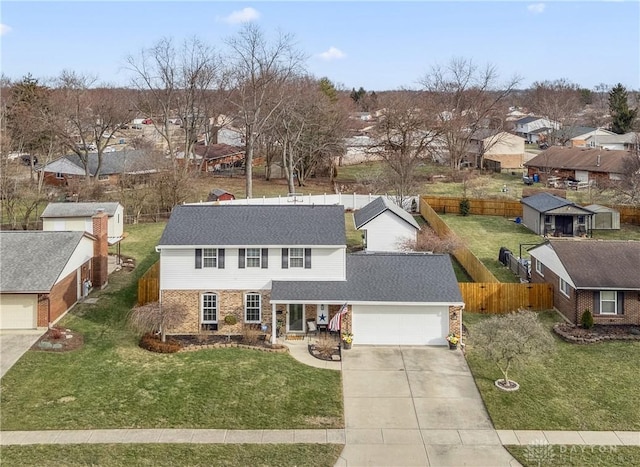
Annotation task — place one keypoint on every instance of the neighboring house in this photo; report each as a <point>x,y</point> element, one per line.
<point>597,166</point>
<point>533,128</point>
<point>78,217</point>
<point>501,150</point>
<point>45,273</point>
<point>385,225</point>
<point>217,194</point>
<point>218,157</point>
<point>601,276</point>
<point>626,142</point>
<point>66,169</point>
<point>288,265</point>
<point>547,214</point>
<point>581,136</point>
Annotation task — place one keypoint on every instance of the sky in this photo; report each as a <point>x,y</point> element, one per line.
<point>377,45</point>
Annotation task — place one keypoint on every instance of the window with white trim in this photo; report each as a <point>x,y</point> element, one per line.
<point>252,305</point>
<point>209,311</point>
<point>296,257</point>
<point>253,257</point>
<point>565,288</point>
<point>59,175</point>
<point>103,178</point>
<point>608,302</point>
<point>539,267</point>
<point>209,257</point>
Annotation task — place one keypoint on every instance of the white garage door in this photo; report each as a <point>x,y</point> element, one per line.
<point>400,325</point>
<point>18,311</point>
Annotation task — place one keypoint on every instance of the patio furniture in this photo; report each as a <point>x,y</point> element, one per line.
<point>312,328</point>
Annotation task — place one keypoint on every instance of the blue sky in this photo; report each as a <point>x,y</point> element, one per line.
<point>378,45</point>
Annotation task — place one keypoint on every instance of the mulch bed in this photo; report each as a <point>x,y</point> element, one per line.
<point>59,339</point>
<point>196,342</point>
<point>598,333</point>
<point>324,351</point>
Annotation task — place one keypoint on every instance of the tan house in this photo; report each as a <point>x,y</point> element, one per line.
<point>500,150</point>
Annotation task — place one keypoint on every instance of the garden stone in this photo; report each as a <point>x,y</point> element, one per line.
<point>45,345</point>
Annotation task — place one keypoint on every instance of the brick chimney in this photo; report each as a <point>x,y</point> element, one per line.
<point>99,264</point>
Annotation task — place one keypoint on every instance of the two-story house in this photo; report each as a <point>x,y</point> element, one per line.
<point>282,266</point>
<point>533,128</point>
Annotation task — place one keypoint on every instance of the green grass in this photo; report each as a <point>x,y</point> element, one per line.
<point>178,455</point>
<point>354,237</point>
<point>577,387</point>
<point>626,232</point>
<point>112,383</point>
<point>576,456</point>
<point>484,235</point>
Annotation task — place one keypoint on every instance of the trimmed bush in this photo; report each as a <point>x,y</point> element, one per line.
<point>152,343</point>
<point>587,319</point>
<point>230,320</point>
<point>465,207</point>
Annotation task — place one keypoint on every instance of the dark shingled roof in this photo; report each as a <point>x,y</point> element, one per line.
<point>78,209</point>
<point>600,264</point>
<point>32,261</point>
<point>255,225</point>
<point>378,206</point>
<point>381,277</point>
<point>117,162</point>
<point>543,202</point>
<point>593,160</point>
<point>525,120</point>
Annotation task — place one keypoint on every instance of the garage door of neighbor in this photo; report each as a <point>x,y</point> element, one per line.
<point>18,311</point>
<point>400,325</point>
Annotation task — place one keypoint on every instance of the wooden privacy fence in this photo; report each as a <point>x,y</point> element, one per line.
<point>499,298</point>
<point>469,261</point>
<point>149,285</point>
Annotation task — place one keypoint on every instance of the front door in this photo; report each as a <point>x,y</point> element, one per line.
<point>295,321</point>
<point>564,225</point>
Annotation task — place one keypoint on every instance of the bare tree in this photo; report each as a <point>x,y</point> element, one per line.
<point>403,139</point>
<point>627,190</point>
<point>428,240</point>
<point>87,118</point>
<point>154,317</point>
<point>259,69</point>
<point>557,101</point>
<point>466,99</point>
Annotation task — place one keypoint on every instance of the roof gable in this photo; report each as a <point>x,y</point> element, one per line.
<point>543,202</point>
<point>600,264</point>
<point>255,225</point>
<point>35,259</point>
<point>376,207</point>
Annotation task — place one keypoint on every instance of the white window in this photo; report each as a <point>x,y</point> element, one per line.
<point>253,257</point>
<point>103,178</point>
<point>209,311</point>
<point>608,302</point>
<point>59,176</point>
<point>209,258</point>
<point>296,257</point>
<point>565,288</point>
<point>539,267</point>
<point>252,308</point>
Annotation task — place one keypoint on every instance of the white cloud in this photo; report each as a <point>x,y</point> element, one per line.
<point>332,54</point>
<point>536,8</point>
<point>4,29</point>
<point>245,15</point>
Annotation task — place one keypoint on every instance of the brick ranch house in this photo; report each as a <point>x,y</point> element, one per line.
<point>602,276</point>
<point>45,273</point>
<point>288,265</point>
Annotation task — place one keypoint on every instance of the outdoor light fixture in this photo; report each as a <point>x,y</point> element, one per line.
<point>455,315</point>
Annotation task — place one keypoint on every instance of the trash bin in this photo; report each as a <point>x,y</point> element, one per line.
<point>536,178</point>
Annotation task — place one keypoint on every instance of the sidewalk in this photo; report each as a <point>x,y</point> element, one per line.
<point>329,436</point>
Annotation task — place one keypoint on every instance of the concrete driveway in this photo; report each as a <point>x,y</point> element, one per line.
<point>13,345</point>
<point>419,406</point>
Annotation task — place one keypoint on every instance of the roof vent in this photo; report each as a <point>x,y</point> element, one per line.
<point>100,210</point>
<point>598,161</point>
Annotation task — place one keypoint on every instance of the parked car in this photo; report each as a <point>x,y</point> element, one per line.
<point>543,145</point>
<point>147,121</point>
<point>26,160</point>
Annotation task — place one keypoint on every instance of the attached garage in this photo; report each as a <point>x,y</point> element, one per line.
<point>18,311</point>
<point>400,325</point>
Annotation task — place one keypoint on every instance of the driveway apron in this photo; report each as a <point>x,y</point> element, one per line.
<point>13,344</point>
<point>419,406</point>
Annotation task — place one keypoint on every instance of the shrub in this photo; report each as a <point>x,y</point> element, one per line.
<point>251,335</point>
<point>55,333</point>
<point>230,320</point>
<point>152,343</point>
<point>465,206</point>
<point>587,319</point>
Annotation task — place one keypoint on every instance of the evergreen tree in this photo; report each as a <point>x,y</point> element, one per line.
<point>622,117</point>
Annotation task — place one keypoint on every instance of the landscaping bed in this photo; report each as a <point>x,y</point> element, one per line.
<point>59,339</point>
<point>190,343</point>
<point>598,333</point>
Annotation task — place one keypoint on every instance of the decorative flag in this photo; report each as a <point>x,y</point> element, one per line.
<point>336,322</point>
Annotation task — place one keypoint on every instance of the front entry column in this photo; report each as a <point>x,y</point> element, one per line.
<point>274,323</point>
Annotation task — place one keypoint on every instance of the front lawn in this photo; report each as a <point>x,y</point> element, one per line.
<point>576,456</point>
<point>107,455</point>
<point>578,387</point>
<point>112,383</point>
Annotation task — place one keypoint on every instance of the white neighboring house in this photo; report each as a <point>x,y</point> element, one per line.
<point>78,217</point>
<point>613,142</point>
<point>530,128</point>
<point>385,225</point>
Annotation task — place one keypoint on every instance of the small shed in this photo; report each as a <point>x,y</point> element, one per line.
<point>218,194</point>
<point>605,218</point>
